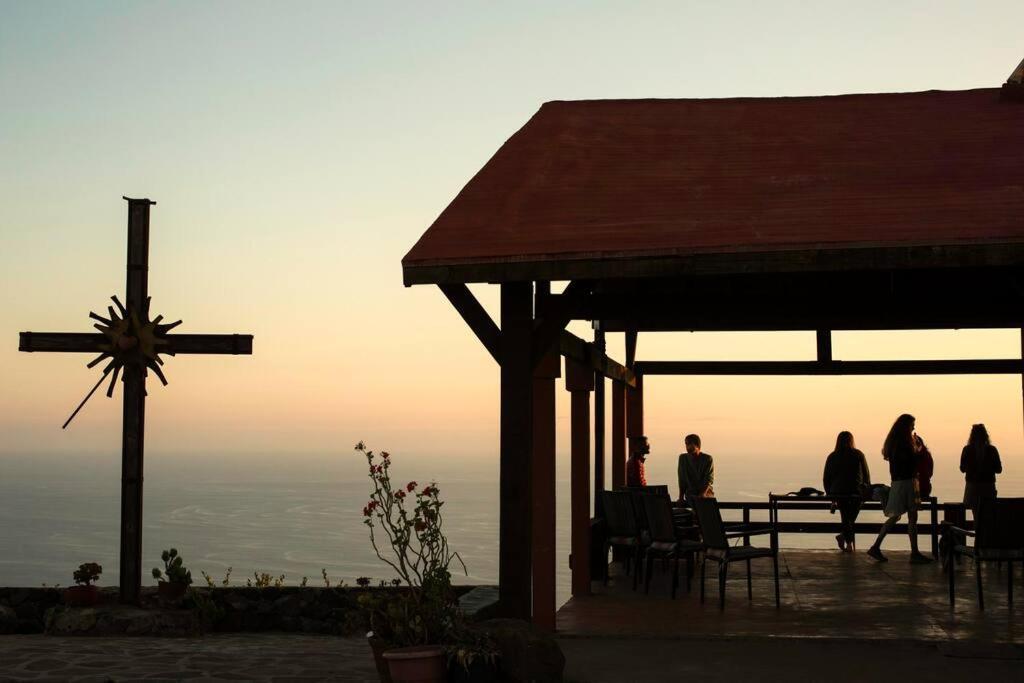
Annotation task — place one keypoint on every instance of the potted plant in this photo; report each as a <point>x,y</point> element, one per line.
<point>472,656</point>
<point>175,579</point>
<point>411,623</point>
<point>84,593</point>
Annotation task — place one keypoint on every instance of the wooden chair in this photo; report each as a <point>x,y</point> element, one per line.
<point>667,540</point>
<point>624,529</point>
<point>998,537</point>
<point>717,548</point>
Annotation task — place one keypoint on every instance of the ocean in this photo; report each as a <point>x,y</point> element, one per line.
<point>298,516</point>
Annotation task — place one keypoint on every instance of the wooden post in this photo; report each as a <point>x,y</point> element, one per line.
<point>516,501</point>
<point>1022,374</point>
<point>579,381</point>
<point>618,434</point>
<point>635,408</point>
<point>134,414</point>
<point>824,344</point>
<point>599,345</point>
<point>544,494</point>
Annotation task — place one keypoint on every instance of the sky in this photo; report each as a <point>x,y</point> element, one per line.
<point>296,151</point>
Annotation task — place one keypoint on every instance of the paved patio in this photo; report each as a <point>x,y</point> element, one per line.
<point>825,594</point>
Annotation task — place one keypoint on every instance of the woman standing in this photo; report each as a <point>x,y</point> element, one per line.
<point>899,451</point>
<point>846,474</point>
<point>980,464</point>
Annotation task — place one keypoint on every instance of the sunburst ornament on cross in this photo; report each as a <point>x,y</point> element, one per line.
<point>131,343</point>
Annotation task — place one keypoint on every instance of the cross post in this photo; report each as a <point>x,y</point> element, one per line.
<point>133,343</point>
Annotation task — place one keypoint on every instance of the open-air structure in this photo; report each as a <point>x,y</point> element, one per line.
<point>852,212</point>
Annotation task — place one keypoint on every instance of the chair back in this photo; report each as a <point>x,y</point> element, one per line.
<point>655,489</point>
<point>658,511</point>
<point>710,520</point>
<point>1000,524</point>
<point>620,513</point>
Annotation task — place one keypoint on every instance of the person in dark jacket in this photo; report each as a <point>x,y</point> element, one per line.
<point>846,474</point>
<point>636,470</point>
<point>980,464</point>
<point>899,451</point>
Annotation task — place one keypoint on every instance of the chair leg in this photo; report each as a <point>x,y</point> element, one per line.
<point>607,547</point>
<point>636,564</point>
<point>952,579</point>
<point>689,573</point>
<point>703,568</point>
<point>750,587</point>
<point>977,572</point>
<point>775,568</point>
<point>647,575</point>
<point>675,575</point>
<point>723,575</point>
<point>1009,583</point>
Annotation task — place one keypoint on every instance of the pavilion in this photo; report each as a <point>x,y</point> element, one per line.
<point>852,212</point>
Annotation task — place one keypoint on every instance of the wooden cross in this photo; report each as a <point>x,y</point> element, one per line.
<point>132,343</point>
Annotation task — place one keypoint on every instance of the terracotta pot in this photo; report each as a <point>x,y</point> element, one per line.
<point>170,591</point>
<point>420,664</point>
<point>81,596</point>
<point>378,648</point>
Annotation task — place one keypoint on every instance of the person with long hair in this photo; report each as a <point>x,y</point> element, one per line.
<point>979,461</point>
<point>900,453</point>
<point>846,474</point>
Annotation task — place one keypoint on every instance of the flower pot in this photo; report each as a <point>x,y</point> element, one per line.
<point>81,596</point>
<point>170,591</point>
<point>420,664</point>
<point>378,647</point>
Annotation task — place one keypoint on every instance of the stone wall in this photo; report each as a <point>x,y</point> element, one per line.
<point>232,608</point>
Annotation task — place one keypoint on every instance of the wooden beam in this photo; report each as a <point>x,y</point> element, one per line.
<point>625,266</point>
<point>579,381</point>
<point>553,322</point>
<point>544,492</point>
<point>631,340</point>
<point>599,417</point>
<point>475,316</point>
<point>232,344</point>
<point>60,342</point>
<point>865,367</point>
<point>580,351</point>
<point>824,343</point>
<point>515,526</point>
<point>618,435</point>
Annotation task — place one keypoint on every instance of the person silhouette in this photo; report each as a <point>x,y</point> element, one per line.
<point>980,463</point>
<point>899,452</point>
<point>846,474</point>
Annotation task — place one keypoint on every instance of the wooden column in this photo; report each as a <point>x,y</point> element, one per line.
<point>635,408</point>
<point>544,520</point>
<point>516,501</point>
<point>1022,357</point>
<point>618,434</point>
<point>134,413</point>
<point>579,381</point>
<point>599,345</point>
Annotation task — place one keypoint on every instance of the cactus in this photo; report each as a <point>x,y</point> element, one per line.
<point>174,571</point>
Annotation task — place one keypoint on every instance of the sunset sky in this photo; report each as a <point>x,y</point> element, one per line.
<point>297,151</point>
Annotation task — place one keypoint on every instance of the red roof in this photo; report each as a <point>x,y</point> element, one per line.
<point>621,179</point>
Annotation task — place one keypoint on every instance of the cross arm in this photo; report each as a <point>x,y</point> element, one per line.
<point>60,342</point>
<point>231,344</point>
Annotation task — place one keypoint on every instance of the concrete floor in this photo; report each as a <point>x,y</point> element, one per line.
<point>825,594</point>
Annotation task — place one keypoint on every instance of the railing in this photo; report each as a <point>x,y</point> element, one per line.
<point>778,503</point>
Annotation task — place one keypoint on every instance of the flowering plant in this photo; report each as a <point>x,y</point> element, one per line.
<point>406,532</point>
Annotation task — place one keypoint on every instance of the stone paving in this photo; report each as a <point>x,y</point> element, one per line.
<point>220,657</point>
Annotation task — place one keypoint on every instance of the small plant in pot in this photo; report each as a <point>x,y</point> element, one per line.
<point>84,593</point>
<point>472,656</point>
<point>175,579</point>
<point>411,622</point>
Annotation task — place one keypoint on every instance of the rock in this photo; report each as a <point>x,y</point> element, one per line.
<point>480,602</point>
<point>527,654</point>
<point>8,620</point>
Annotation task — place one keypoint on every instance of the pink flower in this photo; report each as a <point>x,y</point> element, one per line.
<point>420,525</point>
<point>385,455</point>
<point>399,494</point>
<point>410,487</point>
